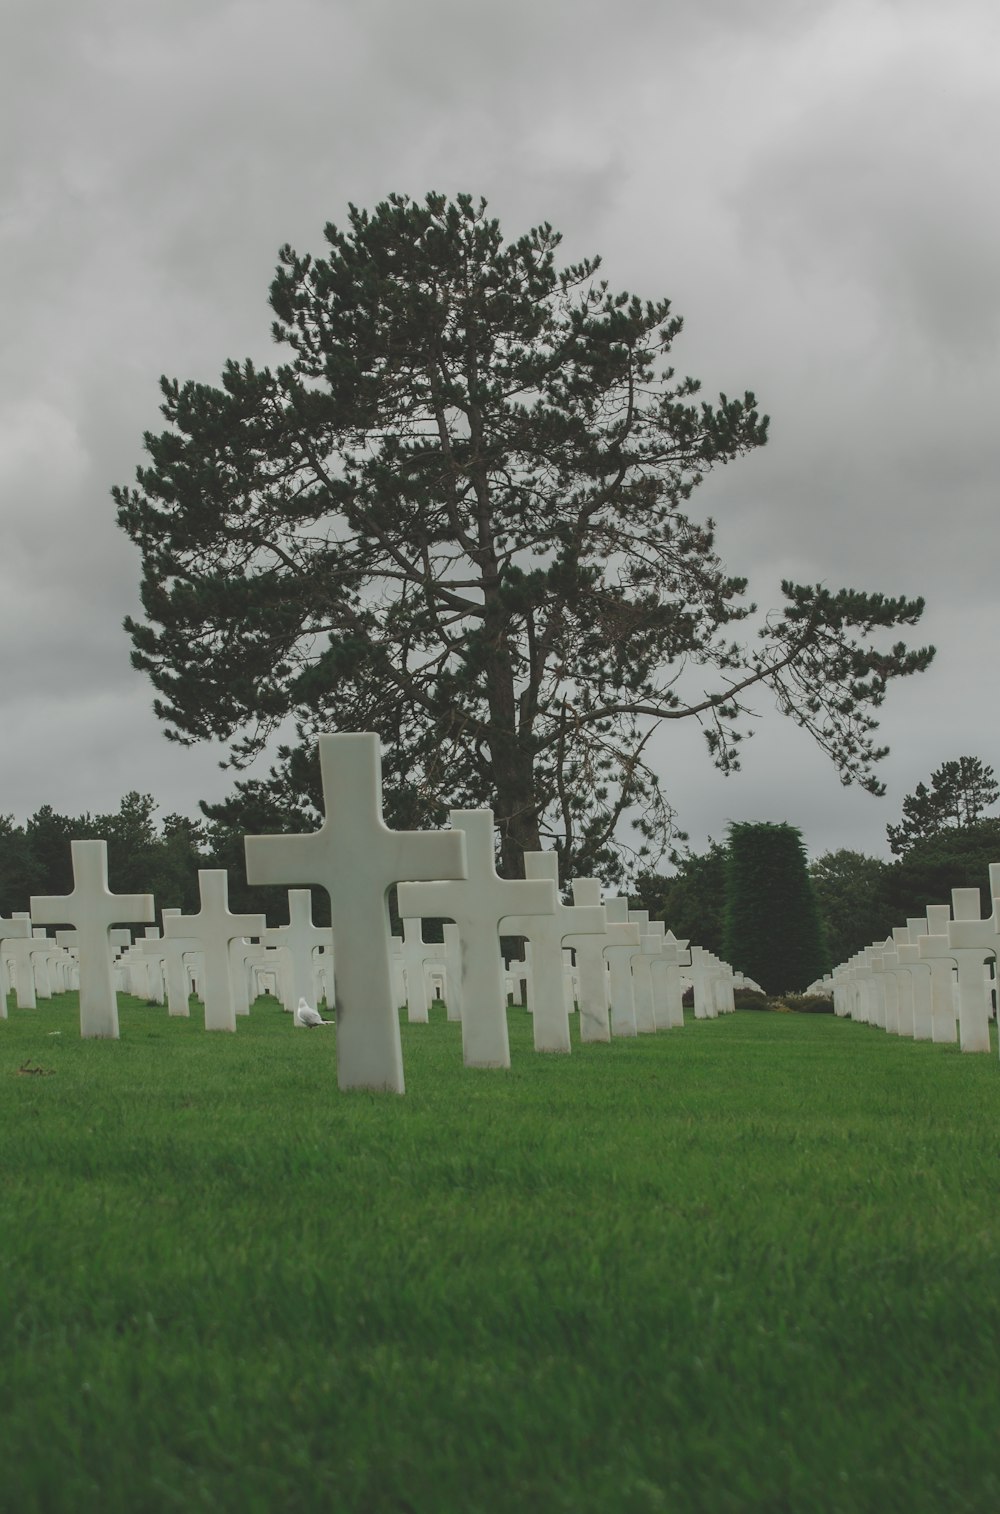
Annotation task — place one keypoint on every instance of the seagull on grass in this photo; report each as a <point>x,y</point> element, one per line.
<point>306,1015</point>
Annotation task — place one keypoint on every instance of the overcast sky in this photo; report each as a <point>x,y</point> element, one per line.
<point>813,183</point>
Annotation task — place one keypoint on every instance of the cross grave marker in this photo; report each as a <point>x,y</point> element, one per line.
<point>92,910</point>
<point>477,904</point>
<point>357,859</point>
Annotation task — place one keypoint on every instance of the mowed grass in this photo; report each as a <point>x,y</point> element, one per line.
<point>749,1265</point>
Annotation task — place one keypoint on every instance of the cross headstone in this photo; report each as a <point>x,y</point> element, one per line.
<point>300,937</point>
<point>702,973</point>
<point>642,972</point>
<point>40,954</point>
<point>887,1017</point>
<point>175,971</point>
<point>591,966</point>
<point>477,904</point>
<point>214,927</point>
<point>972,941</point>
<point>624,944</point>
<point>18,928</point>
<point>902,971</point>
<point>673,956</point>
<point>357,859</point>
<point>417,953</point>
<point>92,910</point>
<point>923,1014</point>
<point>546,933</point>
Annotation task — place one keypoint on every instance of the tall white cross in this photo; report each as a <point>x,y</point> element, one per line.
<point>92,910</point>
<point>673,956</point>
<point>18,928</point>
<point>642,973</point>
<point>903,973</point>
<point>174,948</point>
<point>357,858</point>
<point>416,954</point>
<point>477,904</point>
<point>882,965</point>
<point>944,1022</point>
<point>701,978</point>
<point>591,965</point>
<point>624,945</point>
<point>154,947</point>
<point>550,1021</point>
<point>300,936</point>
<point>972,942</point>
<point>213,927</point>
<point>923,1018</point>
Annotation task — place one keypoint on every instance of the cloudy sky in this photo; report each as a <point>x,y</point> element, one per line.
<point>813,183</point>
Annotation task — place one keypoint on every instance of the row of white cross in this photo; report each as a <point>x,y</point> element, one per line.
<point>624,961</point>
<point>930,979</point>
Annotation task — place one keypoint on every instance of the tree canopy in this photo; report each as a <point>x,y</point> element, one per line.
<point>773,928</point>
<point>960,792</point>
<point>456,516</point>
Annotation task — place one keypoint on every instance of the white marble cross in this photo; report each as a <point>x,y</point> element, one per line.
<point>214,927</point>
<point>972,942</point>
<point>92,909</point>
<point>902,971</point>
<point>624,945</point>
<point>154,947</point>
<point>546,933</point>
<point>923,1017</point>
<point>882,959</point>
<point>175,972</point>
<point>300,937</point>
<point>591,966</point>
<point>477,904</point>
<point>673,956</point>
<point>642,973</point>
<point>40,956</point>
<point>357,858</point>
<point>417,953</point>
<point>18,928</point>
<point>701,976</point>
<point>944,1021</point>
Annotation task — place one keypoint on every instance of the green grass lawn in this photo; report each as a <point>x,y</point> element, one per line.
<point>750,1265</point>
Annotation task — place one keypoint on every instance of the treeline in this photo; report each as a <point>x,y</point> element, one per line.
<point>161,857</point>
<point>860,898</point>
<point>944,840</point>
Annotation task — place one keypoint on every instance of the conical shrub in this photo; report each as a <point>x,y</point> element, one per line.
<point>773,927</point>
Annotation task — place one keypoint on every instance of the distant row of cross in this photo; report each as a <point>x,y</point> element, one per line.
<point>933,978</point>
<point>628,967</point>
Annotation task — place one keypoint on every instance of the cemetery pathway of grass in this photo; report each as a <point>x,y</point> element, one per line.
<point>750,1265</point>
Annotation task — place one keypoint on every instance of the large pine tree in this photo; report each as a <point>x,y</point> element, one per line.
<point>456,515</point>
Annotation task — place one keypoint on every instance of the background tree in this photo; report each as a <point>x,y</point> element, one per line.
<point>142,857</point>
<point>932,867</point>
<point>19,872</point>
<point>772,930</point>
<point>455,516</point>
<point>692,900</point>
<point>960,792</point>
<point>853,894</point>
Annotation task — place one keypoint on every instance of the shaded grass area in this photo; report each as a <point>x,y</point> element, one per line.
<point>750,1265</point>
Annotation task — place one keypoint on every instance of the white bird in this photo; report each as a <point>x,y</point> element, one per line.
<point>306,1015</point>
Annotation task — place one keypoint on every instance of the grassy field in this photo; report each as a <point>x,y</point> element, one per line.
<point>750,1265</point>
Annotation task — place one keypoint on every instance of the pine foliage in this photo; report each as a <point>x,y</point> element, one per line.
<point>456,514</point>
<point>773,930</point>
<point>960,792</point>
